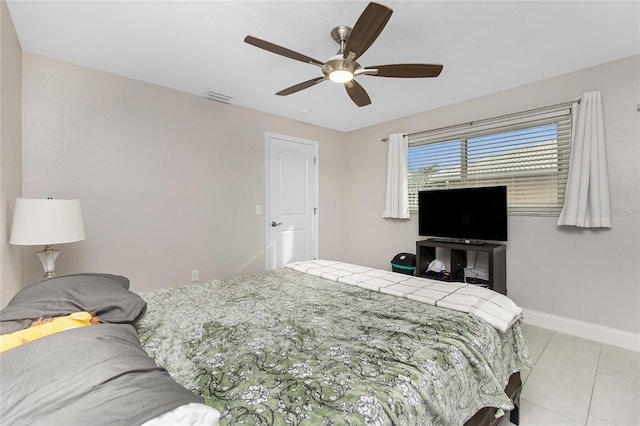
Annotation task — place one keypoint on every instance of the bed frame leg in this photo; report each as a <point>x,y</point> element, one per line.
<point>514,415</point>
<point>513,390</point>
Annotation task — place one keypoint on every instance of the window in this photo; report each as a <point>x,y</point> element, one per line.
<point>527,152</point>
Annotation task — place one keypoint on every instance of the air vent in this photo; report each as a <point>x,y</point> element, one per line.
<point>214,96</point>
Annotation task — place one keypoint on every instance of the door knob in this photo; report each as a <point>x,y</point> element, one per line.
<point>274,224</point>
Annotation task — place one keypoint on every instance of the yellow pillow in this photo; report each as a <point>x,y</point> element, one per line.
<point>75,320</point>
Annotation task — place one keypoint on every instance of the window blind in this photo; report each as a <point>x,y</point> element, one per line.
<point>528,152</point>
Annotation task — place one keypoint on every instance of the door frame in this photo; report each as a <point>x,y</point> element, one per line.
<point>267,220</point>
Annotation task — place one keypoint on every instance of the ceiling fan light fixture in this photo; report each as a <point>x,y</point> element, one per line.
<point>343,66</point>
<point>341,76</point>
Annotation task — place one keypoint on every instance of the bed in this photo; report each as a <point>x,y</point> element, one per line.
<point>316,342</point>
<point>324,343</point>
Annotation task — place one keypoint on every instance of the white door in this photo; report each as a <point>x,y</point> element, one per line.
<point>292,219</point>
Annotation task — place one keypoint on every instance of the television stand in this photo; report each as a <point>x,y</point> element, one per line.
<point>426,252</point>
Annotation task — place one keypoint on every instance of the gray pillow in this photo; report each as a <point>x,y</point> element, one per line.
<point>105,294</point>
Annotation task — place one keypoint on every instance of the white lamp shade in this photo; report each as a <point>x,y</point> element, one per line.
<point>46,221</point>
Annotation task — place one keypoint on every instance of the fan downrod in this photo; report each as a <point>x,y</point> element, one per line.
<point>340,34</point>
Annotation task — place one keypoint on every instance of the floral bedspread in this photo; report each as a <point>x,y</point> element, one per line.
<point>282,347</point>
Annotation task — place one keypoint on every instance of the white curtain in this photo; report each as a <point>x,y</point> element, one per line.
<point>396,204</point>
<point>587,201</point>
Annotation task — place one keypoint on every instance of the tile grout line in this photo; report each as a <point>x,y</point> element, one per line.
<point>593,388</point>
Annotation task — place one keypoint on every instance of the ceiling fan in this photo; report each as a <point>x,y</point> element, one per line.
<point>343,67</point>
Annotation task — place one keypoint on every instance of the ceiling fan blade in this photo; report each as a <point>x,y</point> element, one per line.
<point>357,93</point>
<point>279,50</point>
<point>300,86</point>
<point>405,70</point>
<point>367,29</point>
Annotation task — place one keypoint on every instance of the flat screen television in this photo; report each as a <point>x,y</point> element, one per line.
<point>468,215</point>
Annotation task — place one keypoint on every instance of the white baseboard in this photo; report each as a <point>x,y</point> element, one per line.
<point>587,330</point>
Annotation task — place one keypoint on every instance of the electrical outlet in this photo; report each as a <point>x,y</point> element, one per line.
<point>194,275</point>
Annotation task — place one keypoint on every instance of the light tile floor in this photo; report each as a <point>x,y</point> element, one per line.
<point>577,381</point>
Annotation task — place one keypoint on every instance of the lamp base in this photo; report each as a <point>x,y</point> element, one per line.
<point>48,258</point>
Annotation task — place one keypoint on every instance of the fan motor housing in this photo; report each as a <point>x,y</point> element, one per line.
<point>339,63</point>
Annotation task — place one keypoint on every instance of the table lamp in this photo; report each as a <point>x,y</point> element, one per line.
<point>46,222</point>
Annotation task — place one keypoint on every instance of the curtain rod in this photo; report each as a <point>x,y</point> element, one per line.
<point>471,123</point>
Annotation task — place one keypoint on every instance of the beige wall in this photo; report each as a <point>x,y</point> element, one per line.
<point>168,181</point>
<point>588,275</point>
<point>10,152</point>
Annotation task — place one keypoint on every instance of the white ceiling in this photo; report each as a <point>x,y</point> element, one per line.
<point>195,47</point>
